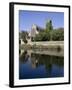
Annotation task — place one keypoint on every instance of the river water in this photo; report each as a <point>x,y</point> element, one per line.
<point>40,65</point>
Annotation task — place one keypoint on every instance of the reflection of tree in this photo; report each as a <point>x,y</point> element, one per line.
<point>24,57</point>
<point>47,60</point>
<point>40,59</point>
<point>34,60</point>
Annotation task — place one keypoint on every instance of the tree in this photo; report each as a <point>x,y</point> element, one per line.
<point>42,36</point>
<point>49,26</point>
<point>50,34</point>
<point>23,35</point>
<point>57,35</point>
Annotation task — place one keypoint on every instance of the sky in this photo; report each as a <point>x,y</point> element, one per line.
<point>28,18</point>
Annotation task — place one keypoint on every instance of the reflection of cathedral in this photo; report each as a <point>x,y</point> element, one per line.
<point>25,56</point>
<point>41,64</point>
<point>34,61</point>
<point>37,59</point>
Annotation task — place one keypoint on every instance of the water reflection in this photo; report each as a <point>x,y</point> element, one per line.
<point>24,57</point>
<point>33,65</point>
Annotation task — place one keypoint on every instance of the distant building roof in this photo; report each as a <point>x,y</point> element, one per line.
<point>36,27</point>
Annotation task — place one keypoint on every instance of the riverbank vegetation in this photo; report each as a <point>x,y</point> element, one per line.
<point>50,34</point>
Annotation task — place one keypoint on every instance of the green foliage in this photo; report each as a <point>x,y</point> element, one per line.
<point>57,35</point>
<point>42,36</point>
<point>45,35</point>
<point>49,26</point>
<point>24,36</point>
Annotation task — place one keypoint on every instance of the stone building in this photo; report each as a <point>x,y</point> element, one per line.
<point>31,34</point>
<point>35,30</point>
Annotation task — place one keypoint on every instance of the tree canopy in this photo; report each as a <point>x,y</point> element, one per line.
<point>50,34</point>
<point>49,26</point>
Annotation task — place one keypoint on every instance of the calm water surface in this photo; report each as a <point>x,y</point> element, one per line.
<point>35,65</point>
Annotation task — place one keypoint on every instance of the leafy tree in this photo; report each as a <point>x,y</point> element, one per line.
<point>57,35</point>
<point>23,35</point>
<point>43,36</point>
<point>49,26</point>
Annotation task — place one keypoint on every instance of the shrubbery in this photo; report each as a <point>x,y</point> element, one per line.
<point>42,36</point>
<point>55,35</point>
<point>24,36</point>
<point>49,34</point>
<point>45,35</point>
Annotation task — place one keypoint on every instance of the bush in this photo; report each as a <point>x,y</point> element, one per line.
<point>42,36</point>
<point>57,35</point>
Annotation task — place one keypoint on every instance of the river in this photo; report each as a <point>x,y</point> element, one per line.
<point>39,64</point>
